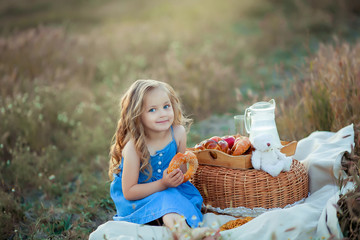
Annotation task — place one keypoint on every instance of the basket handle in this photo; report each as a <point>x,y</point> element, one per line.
<point>213,155</point>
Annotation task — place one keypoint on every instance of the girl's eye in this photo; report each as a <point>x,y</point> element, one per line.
<point>152,110</point>
<point>166,106</point>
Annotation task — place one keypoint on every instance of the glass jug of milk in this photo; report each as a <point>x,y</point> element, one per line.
<point>260,118</point>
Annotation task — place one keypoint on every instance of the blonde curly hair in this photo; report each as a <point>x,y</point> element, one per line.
<point>130,126</point>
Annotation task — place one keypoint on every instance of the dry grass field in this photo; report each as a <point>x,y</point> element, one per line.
<point>64,65</point>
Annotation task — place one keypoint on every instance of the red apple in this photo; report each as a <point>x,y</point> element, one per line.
<point>230,140</point>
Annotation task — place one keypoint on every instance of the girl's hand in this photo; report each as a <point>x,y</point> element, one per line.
<point>173,179</point>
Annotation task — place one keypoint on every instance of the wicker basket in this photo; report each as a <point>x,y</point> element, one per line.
<point>231,188</point>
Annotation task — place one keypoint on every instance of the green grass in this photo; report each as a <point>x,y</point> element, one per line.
<point>64,65</point>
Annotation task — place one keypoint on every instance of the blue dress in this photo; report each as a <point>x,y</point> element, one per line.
<point>184,199</point>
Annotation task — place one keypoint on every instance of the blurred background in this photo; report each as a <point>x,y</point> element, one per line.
<point>64,65</point>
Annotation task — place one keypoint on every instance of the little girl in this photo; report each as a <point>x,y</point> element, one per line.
<point>149,133</point>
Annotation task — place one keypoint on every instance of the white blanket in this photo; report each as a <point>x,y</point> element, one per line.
<point>321,153</point>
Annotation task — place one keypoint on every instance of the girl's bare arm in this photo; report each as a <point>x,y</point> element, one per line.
<point>180,136</point>
<point>134,191</point>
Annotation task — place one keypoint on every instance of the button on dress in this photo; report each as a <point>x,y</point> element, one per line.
<point>184,199</point>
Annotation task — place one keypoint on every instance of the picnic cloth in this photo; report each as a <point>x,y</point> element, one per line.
<point>321,153</point>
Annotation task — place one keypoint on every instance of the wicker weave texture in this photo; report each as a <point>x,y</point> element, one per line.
<point>231,188</point>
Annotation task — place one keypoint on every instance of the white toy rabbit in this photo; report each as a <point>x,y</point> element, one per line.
<point>268,158</point>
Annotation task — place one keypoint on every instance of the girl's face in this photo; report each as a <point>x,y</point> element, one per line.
<point>158,114</point>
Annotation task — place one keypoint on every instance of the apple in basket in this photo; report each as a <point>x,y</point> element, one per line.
<point>230,140</point>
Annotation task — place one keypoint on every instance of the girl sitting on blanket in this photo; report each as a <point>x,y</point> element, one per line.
<point>149,133</point>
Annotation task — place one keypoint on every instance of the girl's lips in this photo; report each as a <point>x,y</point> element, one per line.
<point>165,121</point>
